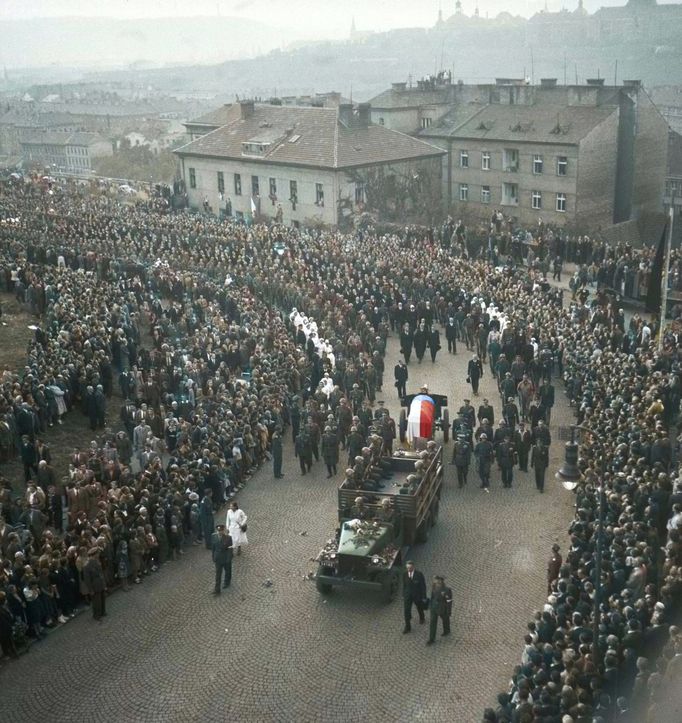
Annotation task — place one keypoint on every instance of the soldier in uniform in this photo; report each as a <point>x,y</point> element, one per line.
<point>355,444</point>
<point>467,411</point>
<point>330,451</point>
<point>304,452</point>
<point>539,461</point>
<point>356,397</point>
<point>484,455</point>
<point>461,457</point>
<point>505,460</point>
<point>440,606</point>
<point>358,511</point>
<point>344,415</point>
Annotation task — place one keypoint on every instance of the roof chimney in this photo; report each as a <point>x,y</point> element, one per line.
<point>346,114</point>
<point>399,86</point>
<point>246,109</point>
<point>632,83</point>
<point>595,81</point>
<point>364,114</point>
<point>548,82</point>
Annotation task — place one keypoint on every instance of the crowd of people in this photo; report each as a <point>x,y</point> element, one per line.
<point>190,319</point>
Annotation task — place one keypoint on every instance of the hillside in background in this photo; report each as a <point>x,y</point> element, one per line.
<point>111,42</point>
<point>367,66</point>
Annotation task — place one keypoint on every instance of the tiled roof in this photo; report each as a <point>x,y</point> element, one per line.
<point>412,98</point>
<point>61,138</point>
<point>308,137</point>
<point>217,117</point>
<point>557,124</point>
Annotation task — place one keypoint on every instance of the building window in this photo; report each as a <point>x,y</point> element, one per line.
<point>192,178</point>
<point>255,186</point>
<point>536,199</point>
<point>561,202</point>
<point>221,182</point>
<point>463,192</point>
<point>464,159</point>
<point>537,164</point>
<point>319,194</point>
<point>237,184</point>
<point>359,193</point>
<point>485,194</point>
<point>381,121</point>
<point>510,160</point>
<point>273,189</point>
<point>485,161</point>
<point>293,193</point>
<point>510,194</point>
<point>561,165</point>
<point>426,122</point>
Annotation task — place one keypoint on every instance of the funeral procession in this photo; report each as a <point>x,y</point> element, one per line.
<point>341,371</point>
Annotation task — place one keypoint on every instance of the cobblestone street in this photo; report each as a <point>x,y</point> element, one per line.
<point>169,650</point>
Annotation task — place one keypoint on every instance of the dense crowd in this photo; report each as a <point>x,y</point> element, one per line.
<point>191,319</point>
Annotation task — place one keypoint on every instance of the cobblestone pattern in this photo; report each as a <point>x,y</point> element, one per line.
<point>170,651</point>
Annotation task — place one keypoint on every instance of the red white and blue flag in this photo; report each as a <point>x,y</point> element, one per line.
<point>420,418</point>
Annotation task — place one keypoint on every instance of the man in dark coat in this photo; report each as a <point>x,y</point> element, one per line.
<point>434,344</point>
<point>486,411</point>
<point>553,567</point>
<point>93,578</point>
<point>28,458</point>
<point>522,443</point>
<point>401,376</point>
<point>474,373</point>
<point>451,336</point>
<point>546,394</point>
<point>206,516</point>
<point>539,461</point>
<point>222,551</point>
<point>277,454</point>
<point>100,406</point>
<point>330,451</point>
<point>406,341</point>
<point>440,606</point>
<point>420,339</point>
<point>414,593</point>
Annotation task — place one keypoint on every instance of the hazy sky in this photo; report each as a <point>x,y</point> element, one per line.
<point>321,18</point>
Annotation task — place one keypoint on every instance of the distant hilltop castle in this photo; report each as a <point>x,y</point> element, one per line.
<point>638,21</point>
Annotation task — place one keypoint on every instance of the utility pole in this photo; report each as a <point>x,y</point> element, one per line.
<point>664,275</point>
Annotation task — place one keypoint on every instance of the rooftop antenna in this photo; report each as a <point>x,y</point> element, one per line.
<point>576,74</point>
<point>615,74</point>
<point>565,83</point>
<point>532,67</point>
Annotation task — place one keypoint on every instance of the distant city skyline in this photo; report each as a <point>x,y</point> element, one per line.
<point>308,18</point>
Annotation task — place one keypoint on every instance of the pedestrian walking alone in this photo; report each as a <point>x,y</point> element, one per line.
<point>236,524</point>
<point>474,373</point>
<point>222,558</point>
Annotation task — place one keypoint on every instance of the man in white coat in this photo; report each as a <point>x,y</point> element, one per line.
<point>236,526</point>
